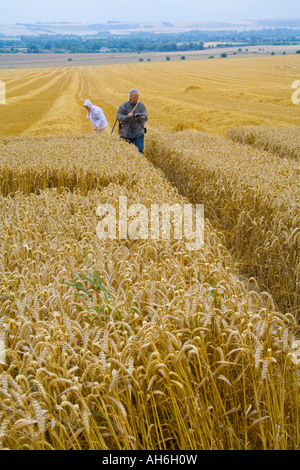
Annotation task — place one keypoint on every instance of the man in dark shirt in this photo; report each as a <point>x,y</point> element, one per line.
<point>132,115</point>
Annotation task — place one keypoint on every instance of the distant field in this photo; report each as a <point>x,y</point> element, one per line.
<point>55,60</point>
<point>35,29</point>
<point>85,29</point>
<point>209,95</point>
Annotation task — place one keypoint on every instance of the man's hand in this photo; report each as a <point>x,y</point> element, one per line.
<point>130,115</point>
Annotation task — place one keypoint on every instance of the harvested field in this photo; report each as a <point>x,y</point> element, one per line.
<point>212,96</point>
<point>111,58</point>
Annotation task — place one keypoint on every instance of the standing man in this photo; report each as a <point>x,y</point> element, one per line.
<point>96,116</point>
<point>132,115</point>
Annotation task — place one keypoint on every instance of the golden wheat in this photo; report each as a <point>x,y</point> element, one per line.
<point>281,141</point>
<point>251,195</point>
<point>183,354</point>
<point>157,347</point>
<point>53,165</point>
<point>206,95</point>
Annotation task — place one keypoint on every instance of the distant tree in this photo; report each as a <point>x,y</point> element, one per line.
<point>223,54</point>
<point>33,49</point>
<point>168,58</point>
<point>140,46</point>
<point>182,57</point>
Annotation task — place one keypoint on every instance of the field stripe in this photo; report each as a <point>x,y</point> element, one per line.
<point>34,87</point>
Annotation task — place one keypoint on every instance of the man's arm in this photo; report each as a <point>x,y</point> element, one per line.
<point>122,114</point>
<point>143,113</point>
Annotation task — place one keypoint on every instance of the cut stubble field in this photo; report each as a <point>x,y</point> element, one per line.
<point>141,344</point>
<point>109,58</point>
<point>212,96</point>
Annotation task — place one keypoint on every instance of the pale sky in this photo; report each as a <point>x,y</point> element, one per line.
<point>101,11</point>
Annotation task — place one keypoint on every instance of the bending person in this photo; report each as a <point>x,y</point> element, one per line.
<point>96,116</point>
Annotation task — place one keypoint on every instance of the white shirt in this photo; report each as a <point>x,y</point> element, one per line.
<point>96,116</point>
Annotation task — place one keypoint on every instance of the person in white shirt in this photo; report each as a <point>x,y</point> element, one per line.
<point>96,116</point>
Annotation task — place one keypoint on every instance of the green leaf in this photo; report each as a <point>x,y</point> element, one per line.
<point>80,287</point>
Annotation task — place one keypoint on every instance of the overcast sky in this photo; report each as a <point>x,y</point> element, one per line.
<point>101,11</point>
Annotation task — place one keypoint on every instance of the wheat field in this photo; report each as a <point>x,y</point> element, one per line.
<point>141,344</point>
<point>206,95</point>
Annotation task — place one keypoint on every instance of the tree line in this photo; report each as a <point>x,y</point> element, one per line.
<point>147,41</point>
